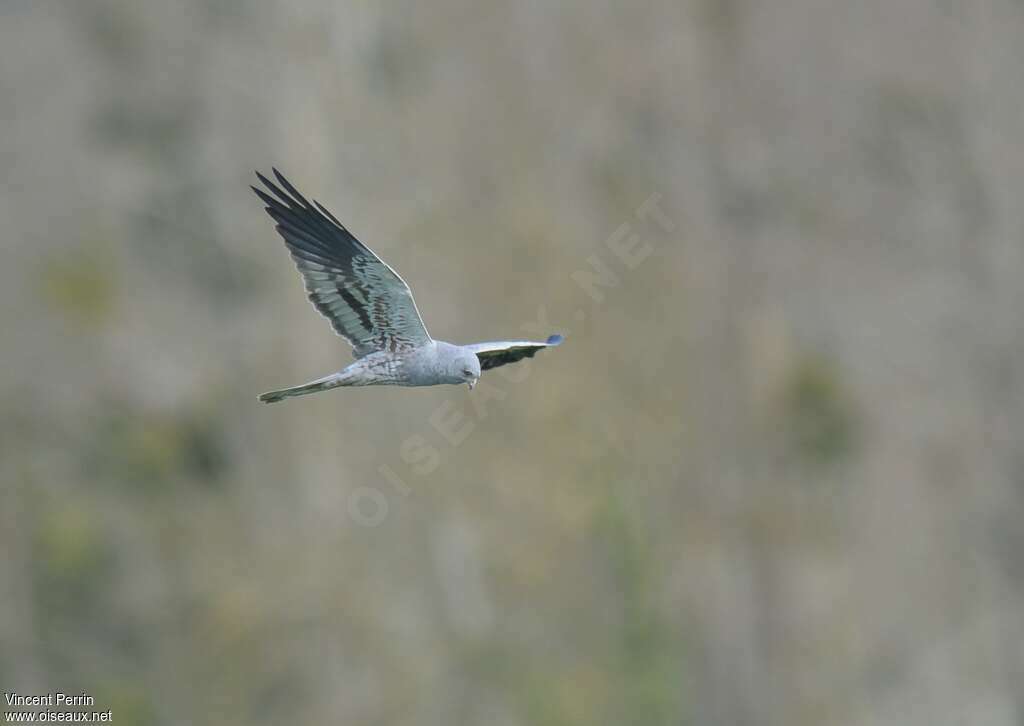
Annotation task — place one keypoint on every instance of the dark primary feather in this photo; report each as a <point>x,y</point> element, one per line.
<point>365,300</point>
<point>499,353</point>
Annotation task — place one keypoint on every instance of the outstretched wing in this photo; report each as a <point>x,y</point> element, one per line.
<point>500,352</point>
<point>366,301</point>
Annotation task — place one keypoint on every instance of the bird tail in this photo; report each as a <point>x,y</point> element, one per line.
<point>320,384</point>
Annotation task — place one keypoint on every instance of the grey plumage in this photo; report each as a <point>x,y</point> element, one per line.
<point>371,306</point>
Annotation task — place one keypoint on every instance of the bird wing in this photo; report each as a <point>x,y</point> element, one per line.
<point>365,300</point>
<point>499,352</point>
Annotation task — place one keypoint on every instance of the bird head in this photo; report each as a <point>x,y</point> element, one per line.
<point>468,367</point>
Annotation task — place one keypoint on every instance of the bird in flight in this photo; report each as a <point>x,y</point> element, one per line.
<point>371,307</point>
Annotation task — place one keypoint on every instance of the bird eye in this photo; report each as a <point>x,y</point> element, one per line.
<point>467,372</point>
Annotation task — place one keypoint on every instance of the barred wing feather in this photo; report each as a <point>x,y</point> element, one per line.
<point>366,301</point>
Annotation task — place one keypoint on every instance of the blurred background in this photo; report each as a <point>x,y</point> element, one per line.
<point>774,476</point>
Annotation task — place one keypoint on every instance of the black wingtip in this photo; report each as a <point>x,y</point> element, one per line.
<point>555,339</point>
<point>266,182</point>
<point>265,198</point>
<point>290,188</point>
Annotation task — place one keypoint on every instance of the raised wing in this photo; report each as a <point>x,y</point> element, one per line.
<point>366,301</point>
<point>500,352</point>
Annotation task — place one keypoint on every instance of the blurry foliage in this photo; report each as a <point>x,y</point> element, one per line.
<point>72,554</point>
<point>127,699</point>
<point>817,417</point>
<point>176,237</point>
<point>155,132</point>
<point>574,697</point>
<point>81,284</point>
<point>146,451</point>
<point>72,565</point>
<point>646,659</point>
<point>396,64</point>
<point>227,15</point>
<point>112,28</point>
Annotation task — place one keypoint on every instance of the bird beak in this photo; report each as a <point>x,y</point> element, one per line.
<point>472,383</point>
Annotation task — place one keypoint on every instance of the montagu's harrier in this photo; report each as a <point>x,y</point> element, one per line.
<point>371,307</point>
